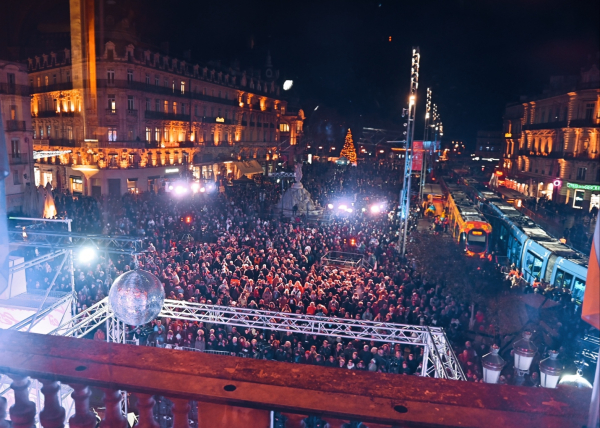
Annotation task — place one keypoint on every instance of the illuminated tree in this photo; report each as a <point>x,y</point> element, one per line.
<point>348,151</point>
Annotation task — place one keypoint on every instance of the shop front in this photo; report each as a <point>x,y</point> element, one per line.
<point>583,196</point>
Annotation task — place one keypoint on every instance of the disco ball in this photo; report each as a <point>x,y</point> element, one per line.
<point>136,297</point>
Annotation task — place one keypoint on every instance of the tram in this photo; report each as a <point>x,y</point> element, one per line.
<point>529,247</point>
<point>468,225</point>
<point>433,194</point>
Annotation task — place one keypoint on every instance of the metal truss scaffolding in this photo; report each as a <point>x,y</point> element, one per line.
<point>68,240</point>
<point>439,359</point>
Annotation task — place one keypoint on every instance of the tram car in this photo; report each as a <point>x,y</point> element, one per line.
<point>529,247</point>
<point>468,225</point>
<point>434,196</point>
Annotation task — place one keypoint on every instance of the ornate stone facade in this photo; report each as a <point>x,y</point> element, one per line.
<point>552,142</point>
<point>146,104</point>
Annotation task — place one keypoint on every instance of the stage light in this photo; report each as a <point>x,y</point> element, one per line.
<point>330,206</point>
<point>87,254</point>
<point>349,210</point>
<point>195,187</point>
<point>202,190</point>
<point>375,209</point>
<point>343,207</point>
<point>180,190</point>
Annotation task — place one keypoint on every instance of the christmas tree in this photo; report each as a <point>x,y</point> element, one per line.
<point>348,151</point>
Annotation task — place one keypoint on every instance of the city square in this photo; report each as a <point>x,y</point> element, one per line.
<point>189,243</point>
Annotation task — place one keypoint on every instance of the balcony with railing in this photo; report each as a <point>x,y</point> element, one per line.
<point>15,125</point>
<point>14,89</point>
<point>159,115</point>
<point>211,391</point>
<point>54,113</point>
<point>584,123</point>
<point>64,142</point>
<point>545,125</point>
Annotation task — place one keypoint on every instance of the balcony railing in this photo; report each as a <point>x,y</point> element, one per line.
<point>64,142</point>
<point>546,125</point>
<point>111,111</point>
<point>53,113</point>
<point>132,112</point>
<point>65,86</point>
<point>242,392</point>
<point>14,89</point>
<point>584,123</point>
<point>162,90</point>
<point>159,115</point>
<point>15,125</point>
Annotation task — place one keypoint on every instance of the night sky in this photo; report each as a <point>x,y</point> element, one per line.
<point>476,55</point>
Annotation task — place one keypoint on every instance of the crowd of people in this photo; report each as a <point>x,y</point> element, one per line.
<point>231,248</point>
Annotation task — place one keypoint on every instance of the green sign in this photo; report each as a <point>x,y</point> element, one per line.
<point>592,187</point>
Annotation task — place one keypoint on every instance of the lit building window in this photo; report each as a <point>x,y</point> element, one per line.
<point>130,75</point>
<point>182,87</point>
<point>284,127</point>
<point>148,133</point>
<point>156,134</point>
<point>112,133</point>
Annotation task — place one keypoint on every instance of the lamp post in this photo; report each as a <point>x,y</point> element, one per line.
<point>550,371</point>
<point>524,351</point>
<point>404,205</point>
<point>492,365</point>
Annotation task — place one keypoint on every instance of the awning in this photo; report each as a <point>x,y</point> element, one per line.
<point>249,167</point>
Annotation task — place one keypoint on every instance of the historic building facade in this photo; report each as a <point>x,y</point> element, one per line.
<point>15,107</point>
<point>146,111</point>
<point>552,142</point>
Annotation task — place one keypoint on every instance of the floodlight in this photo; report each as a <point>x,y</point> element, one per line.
<point>375,209</point>
<point>330,206</point>
<point>180,190</point>
<point>87,254</point>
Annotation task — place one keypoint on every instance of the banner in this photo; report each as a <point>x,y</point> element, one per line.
<point>417,160</point>
<point>591,300</point>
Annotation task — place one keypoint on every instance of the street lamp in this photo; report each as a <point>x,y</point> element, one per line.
<point>524,351</point>
<point>492,365</point>
<point>575,381</point>
<point>550,370</point>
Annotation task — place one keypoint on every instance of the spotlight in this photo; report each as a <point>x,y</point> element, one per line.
<point>343,207</point>
<point>375,209</point>
<point>349,210</point>
<point>180,190</point>
<point>87,254</point>
<point>330,206</point>
<point>202,190</point>
<point>287,85</point>
<point>195,187</point>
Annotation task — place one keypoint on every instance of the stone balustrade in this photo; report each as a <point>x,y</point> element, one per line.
<point>240,392</point>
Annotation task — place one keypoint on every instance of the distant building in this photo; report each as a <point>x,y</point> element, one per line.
<point>148,118</point>
<point>15,108</point>
<point>489,144</point>
<point>552,142</point>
